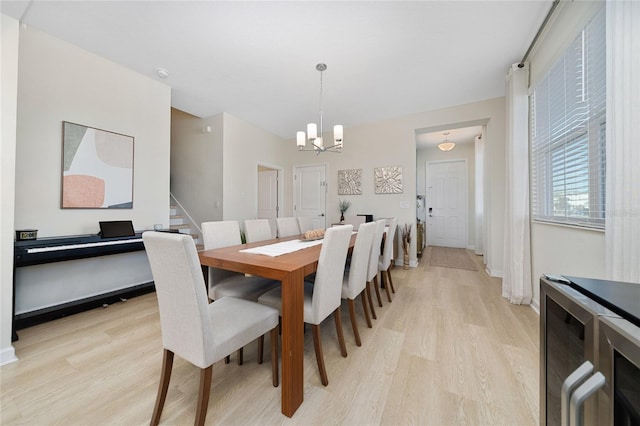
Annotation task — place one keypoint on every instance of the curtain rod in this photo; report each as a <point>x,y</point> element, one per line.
<point>535,39</point>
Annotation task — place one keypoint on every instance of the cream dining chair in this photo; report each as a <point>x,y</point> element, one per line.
<point>322,298</point>
<point>200,332</point>
<point>223,283</point>
<point>305,223</point>
<point>287,226</point>
<point>355,280</point>
<point>372,271</point>
<point>356,221</point>
<point>384,263</point>
<point>257,230</point>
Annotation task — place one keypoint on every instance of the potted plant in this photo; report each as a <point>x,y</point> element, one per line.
<point>344,206</point>
<point>405,233</point>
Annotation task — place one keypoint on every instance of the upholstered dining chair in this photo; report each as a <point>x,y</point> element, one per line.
<point>384,263</point>
<point>222,283</point>
<point>200,332</point>
<point>372,270</point>
<point>305,223</point>
<point>356,221</point>
<point>322,298</point>
<point>287,226</point>
<point>257,230</point>
<point>355,280</point>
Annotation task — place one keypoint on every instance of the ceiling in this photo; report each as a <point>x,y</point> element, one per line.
<point>256,60</point>
<point>458,135</point>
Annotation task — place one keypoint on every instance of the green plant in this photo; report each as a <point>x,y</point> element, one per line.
<point>344,205</point>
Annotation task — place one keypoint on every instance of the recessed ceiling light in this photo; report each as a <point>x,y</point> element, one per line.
<point>162,73</point>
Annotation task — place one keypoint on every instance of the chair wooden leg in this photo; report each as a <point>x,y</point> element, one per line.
<point>317,344</point>
<point>366,309</point>
<point>337,315</point>
<point>354,325</point>
<point>274,356</point>
<point>240,356</point>
<point>376,286</point>
<point>368,291</point>
<point>203,395</point>
<point>260,348</point>
<point>385,284</point>
<point>165,376</point>
<point>393,290</point>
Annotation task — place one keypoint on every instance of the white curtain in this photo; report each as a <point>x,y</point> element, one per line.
<point>516,279</point>
<point>623,141</point>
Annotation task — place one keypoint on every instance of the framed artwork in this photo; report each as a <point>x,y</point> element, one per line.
<point>350,182</point>
<point>97,168</point>
<point>388,180</point>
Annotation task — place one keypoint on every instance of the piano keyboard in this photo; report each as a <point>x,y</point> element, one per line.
<point>83,245</point>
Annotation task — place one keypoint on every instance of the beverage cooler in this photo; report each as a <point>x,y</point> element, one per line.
<point>589,352</point>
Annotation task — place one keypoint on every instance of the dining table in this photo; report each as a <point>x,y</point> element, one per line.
<point>290,269</point>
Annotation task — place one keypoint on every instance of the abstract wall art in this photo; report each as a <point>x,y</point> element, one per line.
<point>388,180</point>
<point>97,168</point>
<point>350,182</point>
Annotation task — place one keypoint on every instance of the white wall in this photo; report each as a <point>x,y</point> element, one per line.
<point>460,152</point>
<point>246,146</point>
<point>196,165</point>
<point>392,143</point>
<point>8,111</point>
<point>59,82</point>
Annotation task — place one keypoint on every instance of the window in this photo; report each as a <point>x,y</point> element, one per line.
<point>567,133</point>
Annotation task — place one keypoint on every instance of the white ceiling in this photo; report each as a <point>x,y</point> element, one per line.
<point>256,60</point>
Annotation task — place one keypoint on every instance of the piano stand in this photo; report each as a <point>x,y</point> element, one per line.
<point>49,250</point>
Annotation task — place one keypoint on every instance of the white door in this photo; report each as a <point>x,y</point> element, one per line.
<point>268,196</point>
<point>446,203</point>
<point>310,189</point>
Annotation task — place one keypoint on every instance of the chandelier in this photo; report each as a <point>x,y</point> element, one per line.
<point>315,137</point>
<point>446,144</point>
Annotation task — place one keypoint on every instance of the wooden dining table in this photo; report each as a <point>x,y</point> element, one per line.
<point>290,269</point>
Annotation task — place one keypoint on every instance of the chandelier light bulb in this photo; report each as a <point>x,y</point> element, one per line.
<point>315,135</point>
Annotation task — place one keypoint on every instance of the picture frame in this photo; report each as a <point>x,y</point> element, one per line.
<point>350,182</point>
<point>388,180</point>
<point>97,168</point>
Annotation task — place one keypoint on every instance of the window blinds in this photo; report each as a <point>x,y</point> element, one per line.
<point>567,126</point>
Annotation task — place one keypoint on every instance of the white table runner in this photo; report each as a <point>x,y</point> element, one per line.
<point>284,247</point>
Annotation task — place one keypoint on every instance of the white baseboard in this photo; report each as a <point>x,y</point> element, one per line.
<point>8,355</point>
<point>493,273</point>
<point>535,305</point>
<point>471,248</point>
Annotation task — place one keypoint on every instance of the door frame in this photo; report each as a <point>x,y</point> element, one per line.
<point>280,191</point>
<point>466,192</point>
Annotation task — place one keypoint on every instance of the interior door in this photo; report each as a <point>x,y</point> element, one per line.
<point>268,196</point>
<point>310,188</point>
<point>446,203</point>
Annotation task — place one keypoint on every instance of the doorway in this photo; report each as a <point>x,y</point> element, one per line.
<point>269,194</point>
<point>310,192</point>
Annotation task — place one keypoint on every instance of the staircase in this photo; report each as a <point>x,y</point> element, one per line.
<point>178,221</point>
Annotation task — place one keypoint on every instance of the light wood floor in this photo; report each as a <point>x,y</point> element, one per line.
<point>448,351</point>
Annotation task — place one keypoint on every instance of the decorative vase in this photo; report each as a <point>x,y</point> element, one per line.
<point>405,262</point>
<point>341,217</point>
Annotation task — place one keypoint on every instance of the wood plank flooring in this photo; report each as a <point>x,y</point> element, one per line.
<point>447,351</point>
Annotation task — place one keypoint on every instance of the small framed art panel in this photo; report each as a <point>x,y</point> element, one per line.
<point>350,182</point>
<point>388,180</point>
